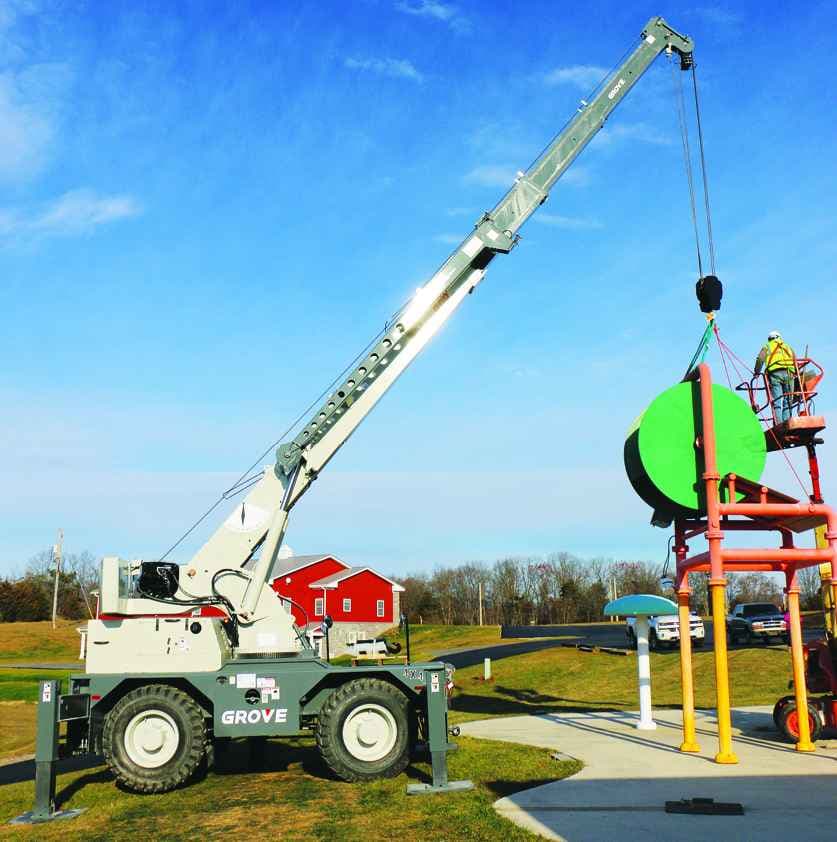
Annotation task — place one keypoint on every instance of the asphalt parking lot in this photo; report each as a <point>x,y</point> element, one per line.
<point>610,635</point>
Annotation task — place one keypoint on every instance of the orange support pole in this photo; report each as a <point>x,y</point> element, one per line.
<point>717,582</point>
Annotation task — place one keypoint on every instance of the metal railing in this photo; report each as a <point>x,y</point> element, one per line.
<point>807,374</point>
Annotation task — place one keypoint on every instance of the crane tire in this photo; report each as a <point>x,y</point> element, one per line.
<point>789,722</point>
<point>364,730</point>
<point>779,707</point>
<point>154,739</point>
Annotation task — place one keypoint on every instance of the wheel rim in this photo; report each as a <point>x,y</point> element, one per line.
<point>793,723</point>
<point>369,732</point>
<point>151,738</point>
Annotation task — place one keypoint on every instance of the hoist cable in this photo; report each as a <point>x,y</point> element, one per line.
<point>702,348</point>
<point>725,351</point>
<point>687,158</point>
<point>723,360</point>
<point>247,478</point>
<point>703,173</point>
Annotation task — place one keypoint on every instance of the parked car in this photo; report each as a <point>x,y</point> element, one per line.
<point>665,631</point>
<point>751,621</point>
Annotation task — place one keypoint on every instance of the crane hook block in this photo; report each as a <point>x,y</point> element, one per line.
<point>709,291</point>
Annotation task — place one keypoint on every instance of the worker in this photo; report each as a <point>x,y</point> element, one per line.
<point>779,363</point>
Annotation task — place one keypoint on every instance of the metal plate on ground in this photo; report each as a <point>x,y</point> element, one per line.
<point>705,807</point>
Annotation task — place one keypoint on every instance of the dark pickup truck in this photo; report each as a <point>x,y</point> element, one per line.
<point>752,621</point>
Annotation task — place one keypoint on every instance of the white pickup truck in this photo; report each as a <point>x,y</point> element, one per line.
<point>665,631</point>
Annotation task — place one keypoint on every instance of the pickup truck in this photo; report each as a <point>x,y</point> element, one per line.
<point>752,621</point>
<point>665,631</point>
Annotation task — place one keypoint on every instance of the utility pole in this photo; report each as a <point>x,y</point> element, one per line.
<point>56,558</point>
<point>480,587</point>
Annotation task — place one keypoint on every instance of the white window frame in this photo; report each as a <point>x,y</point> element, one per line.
<point>319,606</point>
<point>347,605</point>
<point>380,607</point>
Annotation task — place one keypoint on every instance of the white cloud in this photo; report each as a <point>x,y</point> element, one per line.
<point>576,176</point>
<point>31,96</point>
<point>393,67</point>
<point>492,175</point>
<point>75,212</point>
<point>459,211</point>
<point>443,12</point>
<point>448,239</point>
<point>640,132</point>
<point>582,76</point>
<point>718,16</point>
<point>29,102</point>
<point>573,223</point>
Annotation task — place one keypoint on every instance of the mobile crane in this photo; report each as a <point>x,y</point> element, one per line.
<point>181,656</point>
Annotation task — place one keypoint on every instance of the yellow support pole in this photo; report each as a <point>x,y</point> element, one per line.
<point>725,753</point>
<point>828,589</point>
<point>686,683</point>
<point>798,661</point>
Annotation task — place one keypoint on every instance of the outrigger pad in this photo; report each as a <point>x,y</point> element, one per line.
<point>451,786</point>
<point>709,291</point>
<point>34,817</point>
<point>705,807</point>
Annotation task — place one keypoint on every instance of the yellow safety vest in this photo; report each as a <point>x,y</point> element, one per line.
<point>778,355</point>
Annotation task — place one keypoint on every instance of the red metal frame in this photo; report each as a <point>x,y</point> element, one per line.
<point>762,512</point>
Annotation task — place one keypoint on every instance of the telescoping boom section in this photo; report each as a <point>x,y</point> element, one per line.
<point>299,461</point>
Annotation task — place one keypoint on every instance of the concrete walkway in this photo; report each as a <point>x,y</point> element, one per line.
<point>629,775</point>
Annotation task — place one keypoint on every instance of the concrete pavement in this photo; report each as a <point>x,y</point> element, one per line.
<point>629,775</point>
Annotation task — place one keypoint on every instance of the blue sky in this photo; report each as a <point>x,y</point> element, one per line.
<point>206,209</point>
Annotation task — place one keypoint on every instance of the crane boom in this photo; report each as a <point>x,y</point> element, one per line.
<point>298,462</point>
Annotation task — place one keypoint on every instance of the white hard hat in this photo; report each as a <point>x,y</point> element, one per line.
<point>774,334</point>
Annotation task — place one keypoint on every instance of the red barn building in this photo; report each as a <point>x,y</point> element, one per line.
<point>361,602</point>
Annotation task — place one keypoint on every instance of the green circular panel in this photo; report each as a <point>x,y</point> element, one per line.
<point>663,461</point>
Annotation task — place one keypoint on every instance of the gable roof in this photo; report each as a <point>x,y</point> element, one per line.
<point>285,566</point>
<point>331,582</point>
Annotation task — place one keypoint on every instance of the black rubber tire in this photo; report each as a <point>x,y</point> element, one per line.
<point>779,707</point>
<point>330,730</point>
<point>815,720</point>
<point>191,750</point>
<point>653,644</point>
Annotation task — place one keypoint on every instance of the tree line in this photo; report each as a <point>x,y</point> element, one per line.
<point>564,588</point>
<point>29,597</point>
<point>516,590</point>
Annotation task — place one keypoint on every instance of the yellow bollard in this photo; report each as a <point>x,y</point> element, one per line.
<point>689,735</point>
<point>725,753</point>
<point>798,661</point>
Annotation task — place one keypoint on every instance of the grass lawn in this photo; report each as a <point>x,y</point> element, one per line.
<point>30,642</point>
<point>427,640</point>
<point>292,798</point>
<point>566,679</point>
